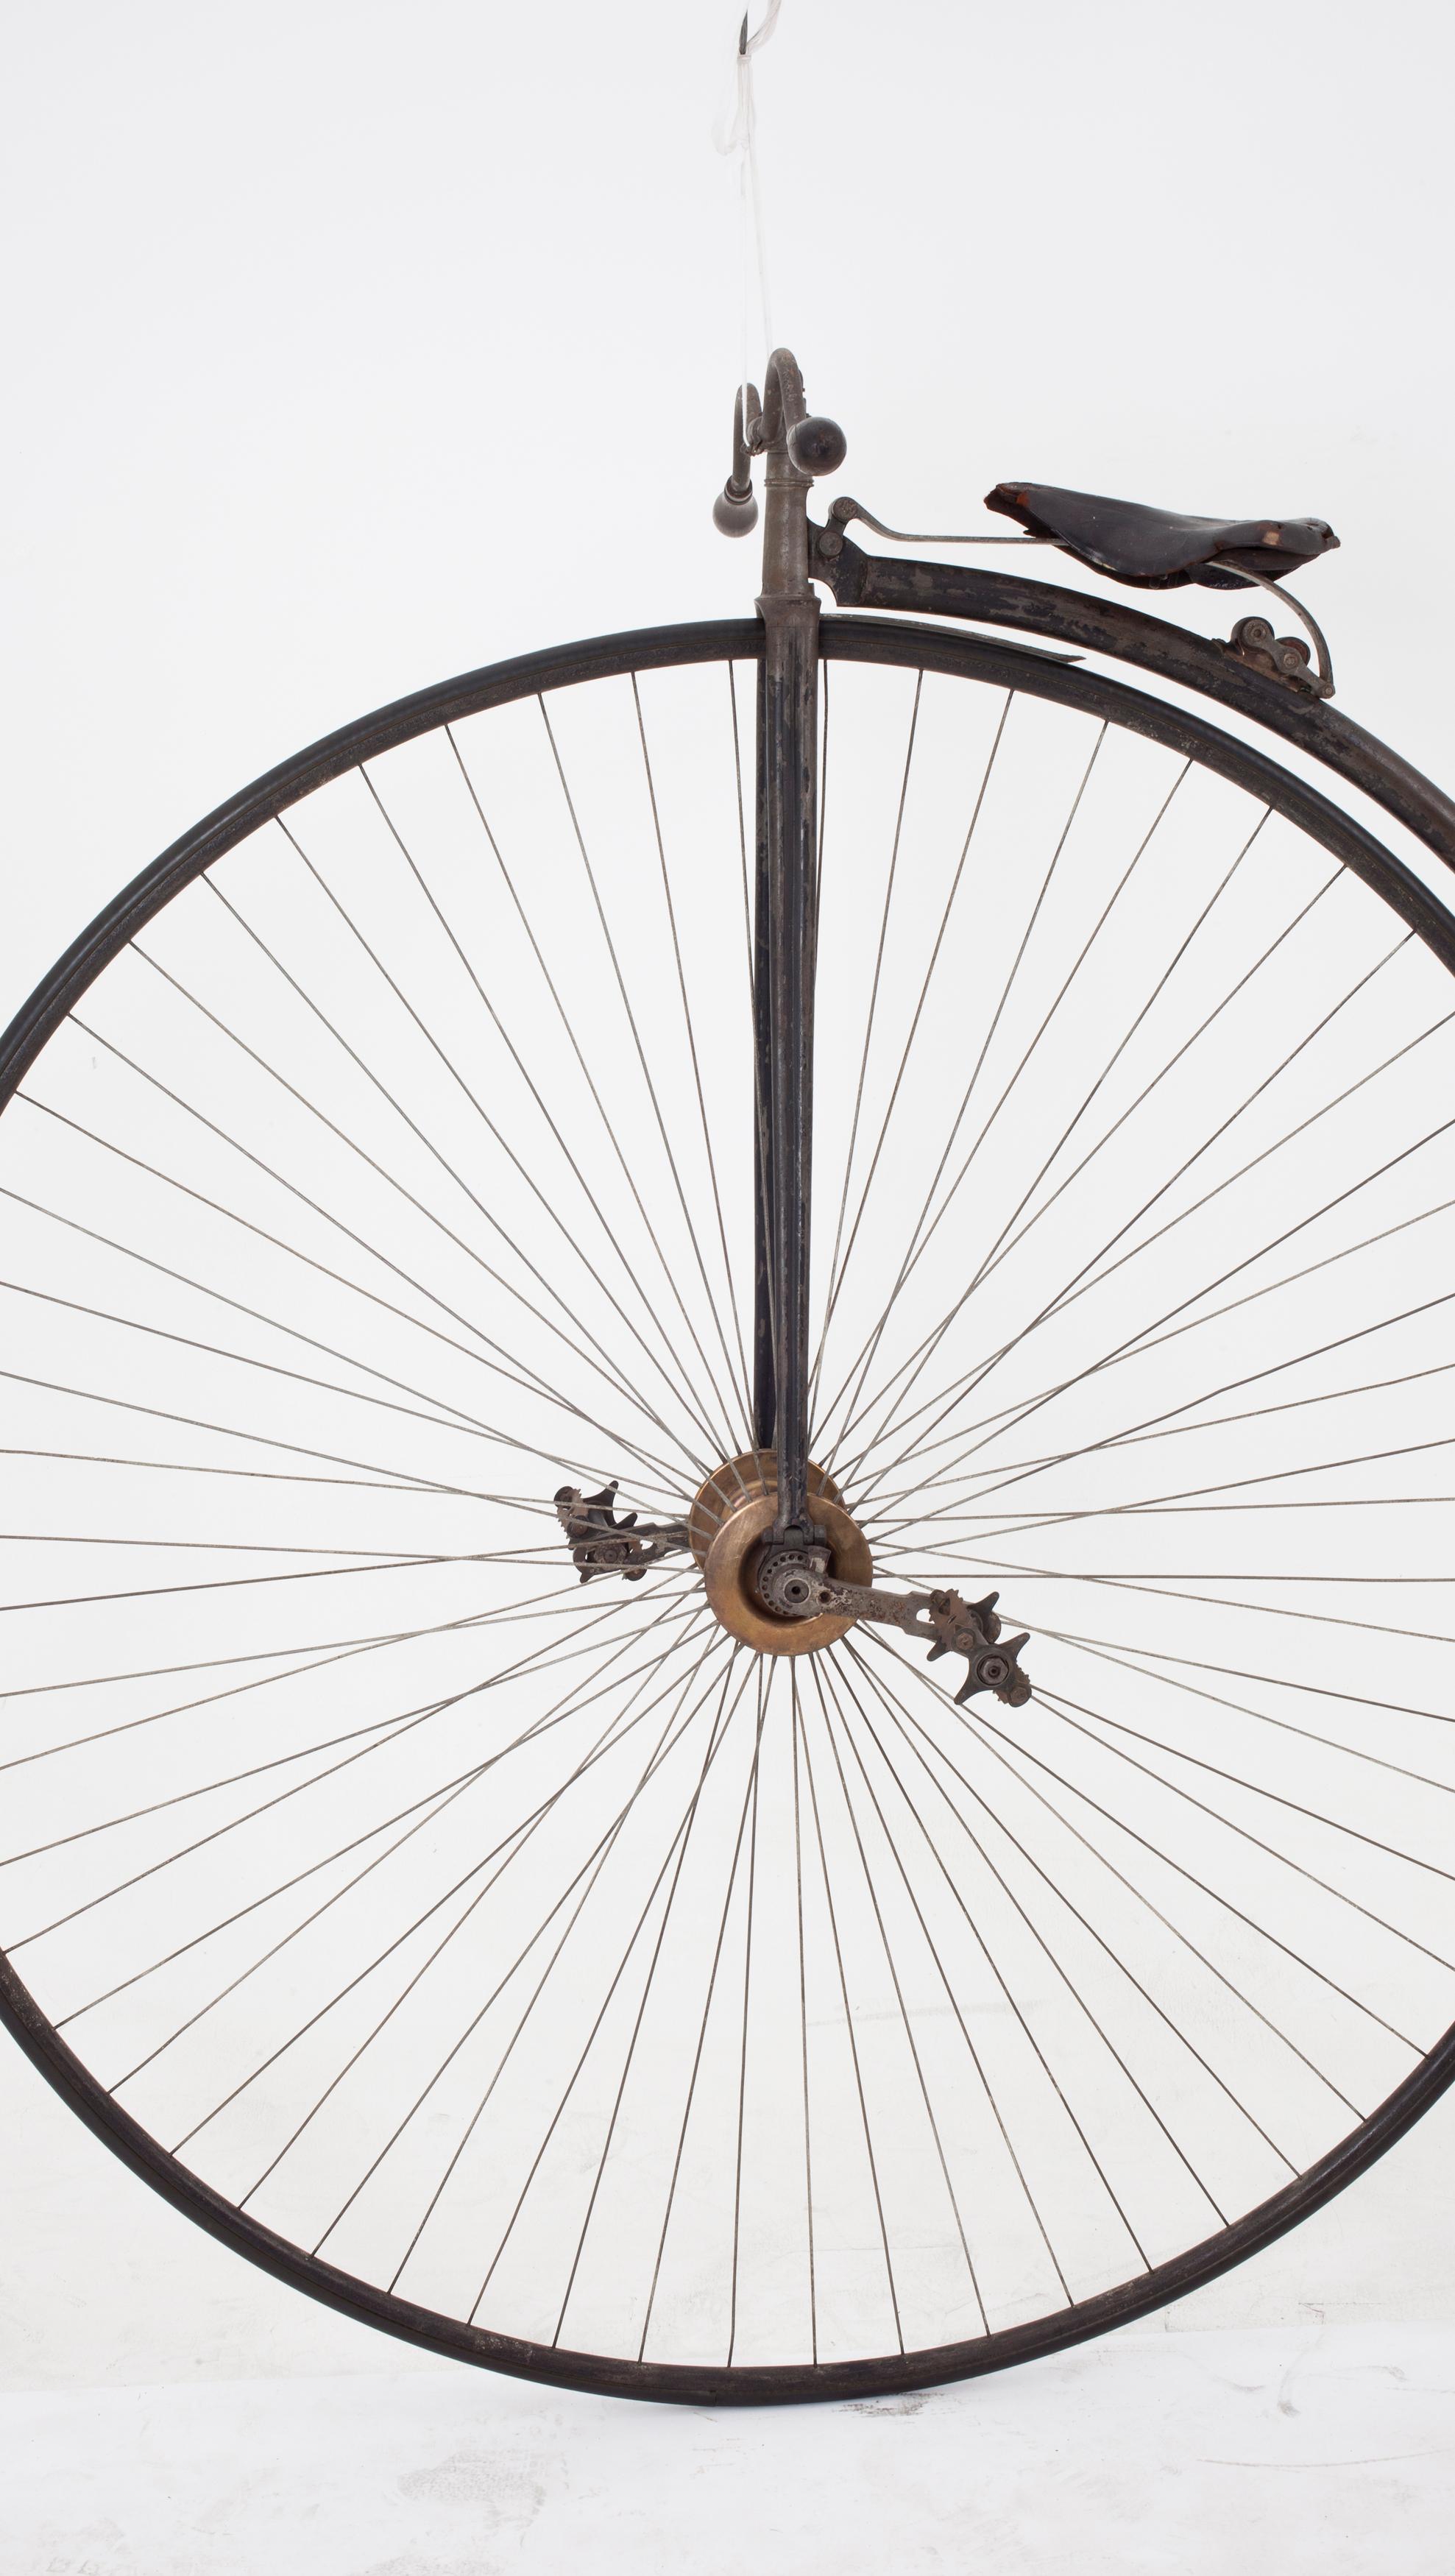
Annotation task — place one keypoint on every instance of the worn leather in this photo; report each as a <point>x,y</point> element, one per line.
<point>1160,549</point>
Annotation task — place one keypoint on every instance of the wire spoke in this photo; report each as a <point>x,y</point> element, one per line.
<point>599,1365</point>
<point>994,1741</point>
<point>571,1702</point>
<point>1038,1034</point>
<point>893,1709</point>
<point>661,1123</point>
<point>536,1963</point>
<point>887,1946</point>
<point>1151,1336</point>
<point>618,1973</point>
<point>849,2033</point>
<point>405,1722</point>
<point>533,1269</point>
<point>696,2068</point>
<point>1082,1284</point>
<point>714,1740</point>
<point>864,1361</point>
<point>744,1376</point>
<point>837,1268</point>
<point>440,1421</point>
<point>591,1871</point>
<point>609,1128</point>
<point>1169,1424</point>
<point>869,1016</point>
<point>516,1840</point>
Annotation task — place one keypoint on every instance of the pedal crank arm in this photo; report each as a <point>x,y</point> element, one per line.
<point>797,1584</point>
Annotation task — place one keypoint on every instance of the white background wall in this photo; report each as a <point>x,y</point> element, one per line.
<point>352,344</point>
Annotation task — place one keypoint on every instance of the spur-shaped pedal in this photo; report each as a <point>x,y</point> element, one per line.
<point>600,1543</point>
<point>971,1628</point>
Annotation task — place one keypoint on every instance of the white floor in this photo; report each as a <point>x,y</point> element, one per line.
<point>165,2410</point>
<point>1326,2448</point>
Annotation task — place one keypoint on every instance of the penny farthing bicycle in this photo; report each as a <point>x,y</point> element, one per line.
<point>656,1812</point>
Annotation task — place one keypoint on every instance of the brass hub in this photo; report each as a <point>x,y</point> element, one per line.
<point>731,1516</point>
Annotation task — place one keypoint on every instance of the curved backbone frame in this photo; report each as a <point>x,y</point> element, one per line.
<point>1127,634</point>
<point>1070,617</point>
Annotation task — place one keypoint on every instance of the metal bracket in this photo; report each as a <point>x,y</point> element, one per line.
<point>1286,656</point>
<point>844,509</point>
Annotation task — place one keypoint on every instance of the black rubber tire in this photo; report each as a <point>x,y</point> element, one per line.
<point>969,656</point>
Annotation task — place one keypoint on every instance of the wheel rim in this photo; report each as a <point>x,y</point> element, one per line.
<point>1076,1831</point>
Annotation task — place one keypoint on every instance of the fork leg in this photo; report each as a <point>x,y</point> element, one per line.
<point>784,986</point>
<point>765,1409</point>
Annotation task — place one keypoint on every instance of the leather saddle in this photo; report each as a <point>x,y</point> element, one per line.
<point>1159,549</point>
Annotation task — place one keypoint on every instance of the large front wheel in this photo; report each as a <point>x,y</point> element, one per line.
<point>554,1972</point>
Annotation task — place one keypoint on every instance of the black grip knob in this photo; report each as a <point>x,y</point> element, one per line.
<point>817,445</point>
<point>734,513</point>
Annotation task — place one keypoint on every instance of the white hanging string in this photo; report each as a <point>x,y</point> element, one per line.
<point>736,132</point>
